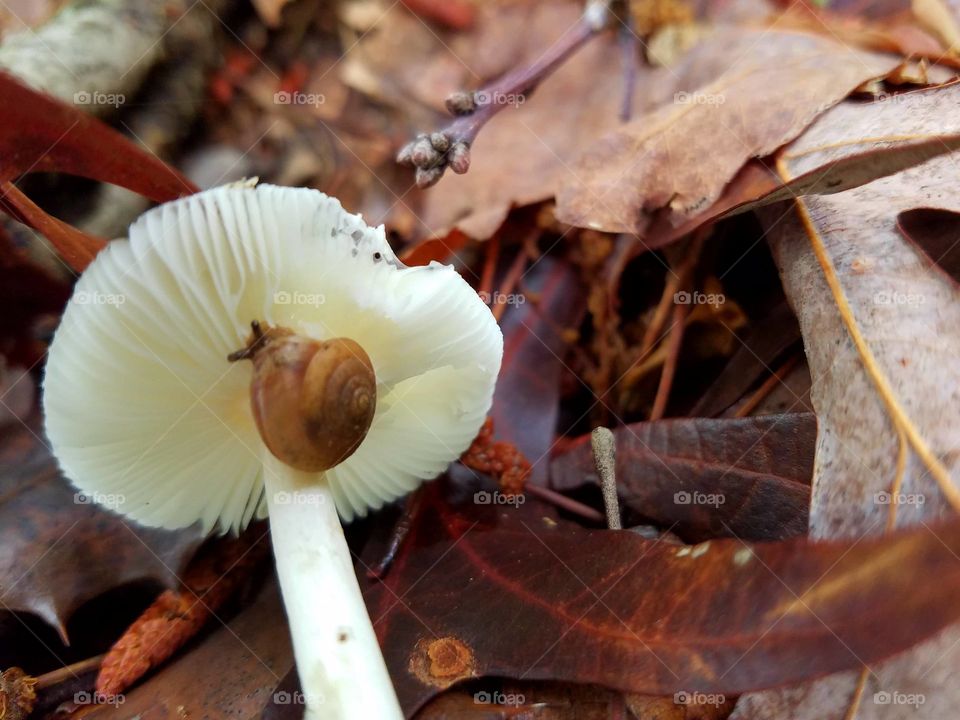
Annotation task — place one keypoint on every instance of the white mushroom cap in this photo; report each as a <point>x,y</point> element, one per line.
<point>142,405</point>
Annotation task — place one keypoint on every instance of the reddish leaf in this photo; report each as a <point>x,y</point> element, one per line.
<point>42,134</point>
<point>75,246</point>
<point>527,399</point>
<point>757,470</point>
<point>483,590</point>
<point>439,249</point>
<point>57,549</point>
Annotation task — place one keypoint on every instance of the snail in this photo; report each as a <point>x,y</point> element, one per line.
<point>313,400</point>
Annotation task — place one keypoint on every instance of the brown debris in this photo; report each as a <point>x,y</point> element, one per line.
<point>217,573</point>
<point>17,694</point>
<point>500,459</point>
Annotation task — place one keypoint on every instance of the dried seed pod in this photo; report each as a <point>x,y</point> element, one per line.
<point>313,401</point>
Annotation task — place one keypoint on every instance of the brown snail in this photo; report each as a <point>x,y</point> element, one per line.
<point>313,400</point>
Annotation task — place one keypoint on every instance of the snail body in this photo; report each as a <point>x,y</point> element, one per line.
<point>313,400</point>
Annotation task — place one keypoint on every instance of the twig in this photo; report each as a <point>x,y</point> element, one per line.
<point>564,503</point>
<point>431,154</point>
<point>55,677</point>
<point>505,462</point>
<point>684,274</point>
<point>652,334</point>
<point>402,528</point>
<point>767,387</point>
<point>510,281</point>
<point>604,456</point>
<point>489,265</point>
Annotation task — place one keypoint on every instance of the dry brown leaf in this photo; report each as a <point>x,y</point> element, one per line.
<point>57,548</point>
<point>942,18</point>
<point>524,153</point>
<point>849,145</point>
<point>682,155</point>
<point>880,324</point>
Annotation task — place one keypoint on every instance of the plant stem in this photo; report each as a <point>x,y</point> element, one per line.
<point>431,154</point>
<point>342,671</point>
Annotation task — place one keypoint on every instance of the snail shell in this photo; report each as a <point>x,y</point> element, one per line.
<point>313,401</point>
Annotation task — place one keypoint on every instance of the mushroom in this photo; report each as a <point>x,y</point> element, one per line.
<point>254,351</point>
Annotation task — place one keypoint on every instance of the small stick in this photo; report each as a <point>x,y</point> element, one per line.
<point>684,273</point>
<point>489,266</point>
<point>55,677</point>
<point>401,530</point>
<point>674,341</point>
<point>563,502</point>
<point>605,456</point>
<point>767,387</point>
<point>509,283</point>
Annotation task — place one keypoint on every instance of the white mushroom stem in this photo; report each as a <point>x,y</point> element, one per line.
<point>342,671</point>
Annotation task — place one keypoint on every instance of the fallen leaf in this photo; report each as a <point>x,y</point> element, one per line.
<point>525,152</point>
<point>219,570</point>
<point>851,144</point>
<point>58,549</point>
<point>768,340</point>
<point>703,478</point>
<point>942,18</point>
<point>63,139</point>
<point>680,156</point>
<point>482,590</point>
<point>879,322</point>
<point>935,233</point>
<point>526,402</point>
